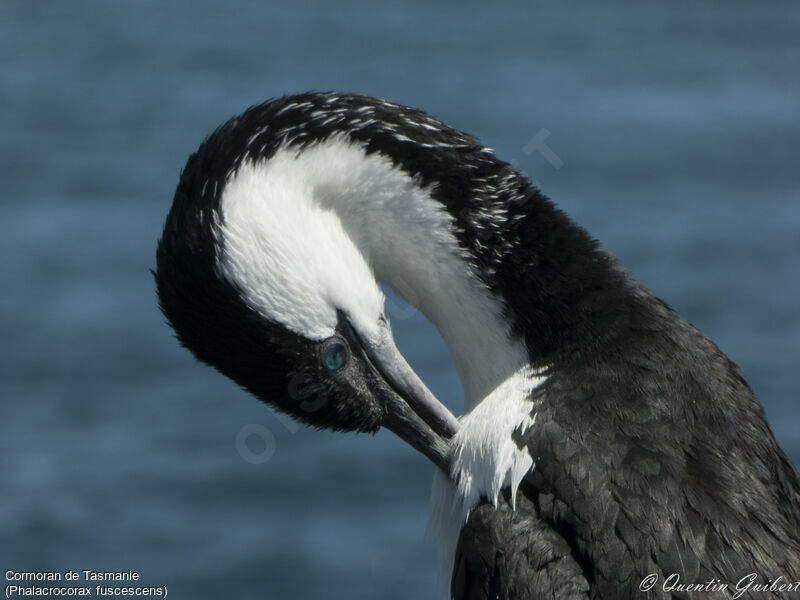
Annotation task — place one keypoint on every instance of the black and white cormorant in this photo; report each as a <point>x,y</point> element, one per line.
<point>605,441</point>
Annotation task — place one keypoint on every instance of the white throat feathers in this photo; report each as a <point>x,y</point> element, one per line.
<point>306,233</point>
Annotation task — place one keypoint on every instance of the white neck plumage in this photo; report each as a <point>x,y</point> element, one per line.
<point>360,217</point>
<point>358,221</point>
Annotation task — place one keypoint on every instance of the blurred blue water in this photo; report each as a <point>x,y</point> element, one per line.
<point>676,131</point>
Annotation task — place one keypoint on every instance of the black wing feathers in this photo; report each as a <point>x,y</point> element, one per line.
<point>652,457</point>
<point>506,553</point>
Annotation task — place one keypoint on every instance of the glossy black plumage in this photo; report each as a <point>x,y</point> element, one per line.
<point>652,455</point>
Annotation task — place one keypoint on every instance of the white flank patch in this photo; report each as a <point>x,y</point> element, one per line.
<point>486,460</point>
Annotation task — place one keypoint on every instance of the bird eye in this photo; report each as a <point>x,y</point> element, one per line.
<point>334,354</point>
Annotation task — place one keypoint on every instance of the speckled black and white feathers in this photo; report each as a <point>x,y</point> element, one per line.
<point>519,242</point>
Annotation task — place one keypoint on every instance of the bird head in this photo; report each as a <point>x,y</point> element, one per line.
<point>263,273</point>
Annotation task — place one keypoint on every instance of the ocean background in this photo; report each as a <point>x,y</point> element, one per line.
<point>672,134</point>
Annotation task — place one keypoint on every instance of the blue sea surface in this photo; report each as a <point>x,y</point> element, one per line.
<point>671,133</point>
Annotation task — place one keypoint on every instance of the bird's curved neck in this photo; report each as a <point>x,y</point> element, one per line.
<point>408,240</point>
<point>396,231</point>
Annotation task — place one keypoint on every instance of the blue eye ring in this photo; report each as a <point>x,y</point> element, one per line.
<point>334,354</point>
